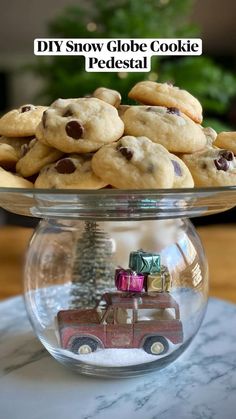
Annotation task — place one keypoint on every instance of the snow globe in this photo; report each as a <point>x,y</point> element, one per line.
<point>116,281</point>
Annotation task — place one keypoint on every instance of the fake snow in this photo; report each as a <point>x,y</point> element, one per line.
<point>116,357</point>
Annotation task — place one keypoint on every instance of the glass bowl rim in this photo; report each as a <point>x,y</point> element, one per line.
<point>117,192</point>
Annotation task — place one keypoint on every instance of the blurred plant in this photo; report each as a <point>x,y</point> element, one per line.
<point>213,85</point>
<point>66,77</point>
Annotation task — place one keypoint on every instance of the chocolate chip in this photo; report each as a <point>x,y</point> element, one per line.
<point>74,129</point>
<point>65,166</point>
<point>204,166</point>
<point>26,108</point>
<point>174,111</point>
<point>221,164</point>
<point>228,155</point>
<point>177,168</point>
<point>128,154</point>
<point>44,119</point>
<point>67,113</point>
<point>24,149</point>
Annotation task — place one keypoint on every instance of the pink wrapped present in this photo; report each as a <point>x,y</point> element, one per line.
<point>128,280</point>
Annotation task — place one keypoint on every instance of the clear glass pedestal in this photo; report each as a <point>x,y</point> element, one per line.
<point>116,282</point>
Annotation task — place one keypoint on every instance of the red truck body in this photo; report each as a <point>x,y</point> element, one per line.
<point>105,327</point>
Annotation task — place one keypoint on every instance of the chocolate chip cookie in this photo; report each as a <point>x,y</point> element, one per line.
<point>212,167</point>
<point>165,94</point>
<point>226,140</point>
<point>11,180</point>
<point>166,126</point>
<point>72,172</point>
<point>134,162</point>
<point>16,142</point>
<point>8,157</point>
<point>34,156</point>
<point>10,151</point>
<point>108,95</point>
<point>79,125</point>
<point>21,122</point>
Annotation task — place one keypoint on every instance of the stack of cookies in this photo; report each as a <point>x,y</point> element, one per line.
<point>97,142</point>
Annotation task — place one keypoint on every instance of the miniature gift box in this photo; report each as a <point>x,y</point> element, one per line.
<point>159,282</point>
<point>144,262</point>
<point>127,280</point>
<point>155,283</point>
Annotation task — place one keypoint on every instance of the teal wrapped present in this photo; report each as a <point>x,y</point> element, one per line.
<point>144,262</point>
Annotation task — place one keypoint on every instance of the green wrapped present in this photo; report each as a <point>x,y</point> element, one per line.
<point>144,262</point>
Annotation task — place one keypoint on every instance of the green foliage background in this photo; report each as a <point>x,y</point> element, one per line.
<point>66,77</point>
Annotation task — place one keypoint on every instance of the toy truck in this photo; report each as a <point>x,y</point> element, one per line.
<point>123,321</point>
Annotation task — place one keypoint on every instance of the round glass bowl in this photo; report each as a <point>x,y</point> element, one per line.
<point>116,282</point>
<point>116,298</point>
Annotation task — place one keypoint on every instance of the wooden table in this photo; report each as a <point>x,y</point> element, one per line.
<point>219,242</point>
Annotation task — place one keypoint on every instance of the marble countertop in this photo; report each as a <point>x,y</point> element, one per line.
<point>201,384</point>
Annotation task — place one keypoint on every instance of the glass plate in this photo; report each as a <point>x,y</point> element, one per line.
<point>119,204</point>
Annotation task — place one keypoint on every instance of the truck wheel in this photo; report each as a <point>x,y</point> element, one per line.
<point>82,346</point>
<point>156,345</point>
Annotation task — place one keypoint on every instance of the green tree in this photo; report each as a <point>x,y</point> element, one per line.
<point>93,269</point>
